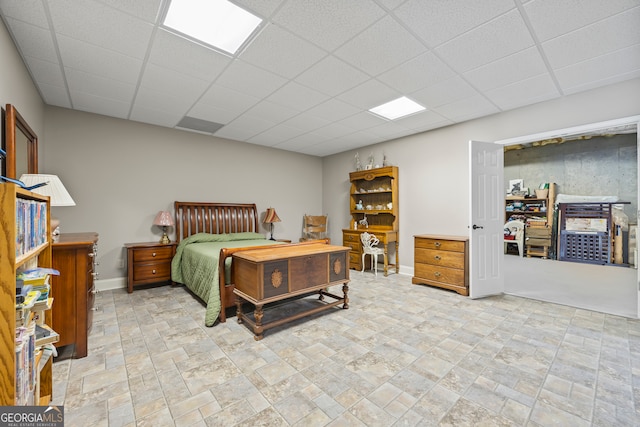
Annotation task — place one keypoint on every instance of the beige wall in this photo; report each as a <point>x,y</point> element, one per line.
<point>121,173</point>
<point>434,166</point>
<point>16,86</point>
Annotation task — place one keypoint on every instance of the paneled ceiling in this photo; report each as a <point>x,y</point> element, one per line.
<point>306,81</point>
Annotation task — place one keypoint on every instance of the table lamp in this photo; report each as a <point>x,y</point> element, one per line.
<point>269,218</point>
<point>163,219</point>
<point>59,196</point>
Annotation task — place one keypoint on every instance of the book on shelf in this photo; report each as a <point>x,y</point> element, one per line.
<point>31,225</point>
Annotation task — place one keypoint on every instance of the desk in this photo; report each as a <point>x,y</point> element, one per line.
<point>351,238</point>
<point>262,276</point>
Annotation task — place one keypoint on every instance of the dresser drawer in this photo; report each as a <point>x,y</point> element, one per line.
<point>440,244</point>
<point>350,238</point>
<point>152,271</point>
<point>451,276</point>
<point>442,258</point>
<point>151,254</point>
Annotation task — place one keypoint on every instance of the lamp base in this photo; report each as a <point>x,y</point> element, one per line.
<point>165,239</point>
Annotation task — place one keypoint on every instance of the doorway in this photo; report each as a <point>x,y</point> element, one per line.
<point>607,289</point>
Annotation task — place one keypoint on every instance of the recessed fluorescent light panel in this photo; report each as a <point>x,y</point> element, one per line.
<point>397,108</point>
<point>218,23</point>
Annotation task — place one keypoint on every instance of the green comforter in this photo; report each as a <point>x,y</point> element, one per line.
<point>196,265</point>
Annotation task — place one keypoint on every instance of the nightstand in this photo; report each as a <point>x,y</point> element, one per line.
<point>148,262</point>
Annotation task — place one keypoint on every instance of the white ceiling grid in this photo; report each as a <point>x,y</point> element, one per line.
<point>306,81</point>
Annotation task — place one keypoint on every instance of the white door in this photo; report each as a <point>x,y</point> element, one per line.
<point>486,222</point>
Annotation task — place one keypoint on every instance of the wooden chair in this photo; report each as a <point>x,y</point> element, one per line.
<point>314,227</point>
<point>370,247</point>
<point>516,229</point>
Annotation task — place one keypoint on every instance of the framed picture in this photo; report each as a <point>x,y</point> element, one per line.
<point>516,186</point>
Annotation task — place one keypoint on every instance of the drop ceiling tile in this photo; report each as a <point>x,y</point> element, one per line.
<point>34,41</point>
<point>298,97</point>
<point>605,36</point>
<point>423,121</point>
<point>369,94</point>
<point>328,23</point>
<point>252,123</point>
<point>361,121</point>
<point>333,109</point>
<point>97,105</point>
<point>524,92</point>
<point>96,60</point>
<point>521,65</point>
<point>551,19</point>
<point>306,122</point>
<point>602,70</point>
<point>501,37</point>
<point>443,93</point>
<point>238,133</point>
<point>182,55</point>
<point>29,11</point>
<point>281,52</point>
<point>55,95</point>
<point>161,86</point>
<point>218,97</point>
<point>147,10</point>
<point>332,76</point>
<point>155,115</point>
<point>384,45</point>
<point>333,130</point>
<point>102,26</point>
<point>301,141</point>
<point>249,79</point>
<point>260,8</point>
<point>425,70</point>
<point>79,81</point>
<point>467,109</point>
<point>45,72</point>
<point>274,136</point>
<point>272,112</point>
<point>439,21</point>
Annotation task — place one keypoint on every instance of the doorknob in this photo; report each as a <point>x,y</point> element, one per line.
<point>477,226</point>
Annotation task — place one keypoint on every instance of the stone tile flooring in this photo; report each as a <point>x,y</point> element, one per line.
<point>401,355</point>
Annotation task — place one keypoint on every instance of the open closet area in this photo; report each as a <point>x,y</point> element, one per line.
<point>577,199</point>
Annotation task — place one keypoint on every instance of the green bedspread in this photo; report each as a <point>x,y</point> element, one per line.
<point>196,265</point>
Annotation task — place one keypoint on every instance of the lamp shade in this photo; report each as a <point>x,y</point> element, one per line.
<point>54,188</point>
<point>270,216</point>
<point>164,219</point>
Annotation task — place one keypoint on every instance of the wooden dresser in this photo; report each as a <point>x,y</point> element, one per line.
<point>74,255</point>
<point>442,261</point>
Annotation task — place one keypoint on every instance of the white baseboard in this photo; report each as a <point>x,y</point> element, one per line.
<point>110,284</point>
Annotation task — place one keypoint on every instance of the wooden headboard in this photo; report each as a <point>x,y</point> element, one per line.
<point>214,218</point>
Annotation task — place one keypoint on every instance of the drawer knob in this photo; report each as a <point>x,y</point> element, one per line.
<point>437,257</point>
<point>153,272</point>
<point>436,244</point>
<point>95,275</point>
<point>91,254</point>
<point>437,274</point>
<point>154,254</point>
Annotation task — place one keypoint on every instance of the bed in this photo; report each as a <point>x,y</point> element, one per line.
<point>207,235</point>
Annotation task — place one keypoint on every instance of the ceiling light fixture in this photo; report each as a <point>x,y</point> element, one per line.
<point>217,23</point>
<point>400,107</point>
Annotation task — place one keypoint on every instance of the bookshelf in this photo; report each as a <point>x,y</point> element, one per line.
<point>25,242</point>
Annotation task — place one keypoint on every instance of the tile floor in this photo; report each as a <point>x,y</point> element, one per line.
<point>401,355</point>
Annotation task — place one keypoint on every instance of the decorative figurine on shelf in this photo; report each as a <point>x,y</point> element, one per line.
<point>359,205</point>
<point>363,222</point>
<point>384,160</point>
<point>371,160</point>
<point>358,164</point>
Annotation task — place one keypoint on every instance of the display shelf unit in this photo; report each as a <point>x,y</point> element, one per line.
<point>25,242</point>
<point>538,215</point>
<point>373,207</point>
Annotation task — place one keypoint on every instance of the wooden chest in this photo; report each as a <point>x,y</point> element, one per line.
<point>276,273</point>
<point>442,261</point>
